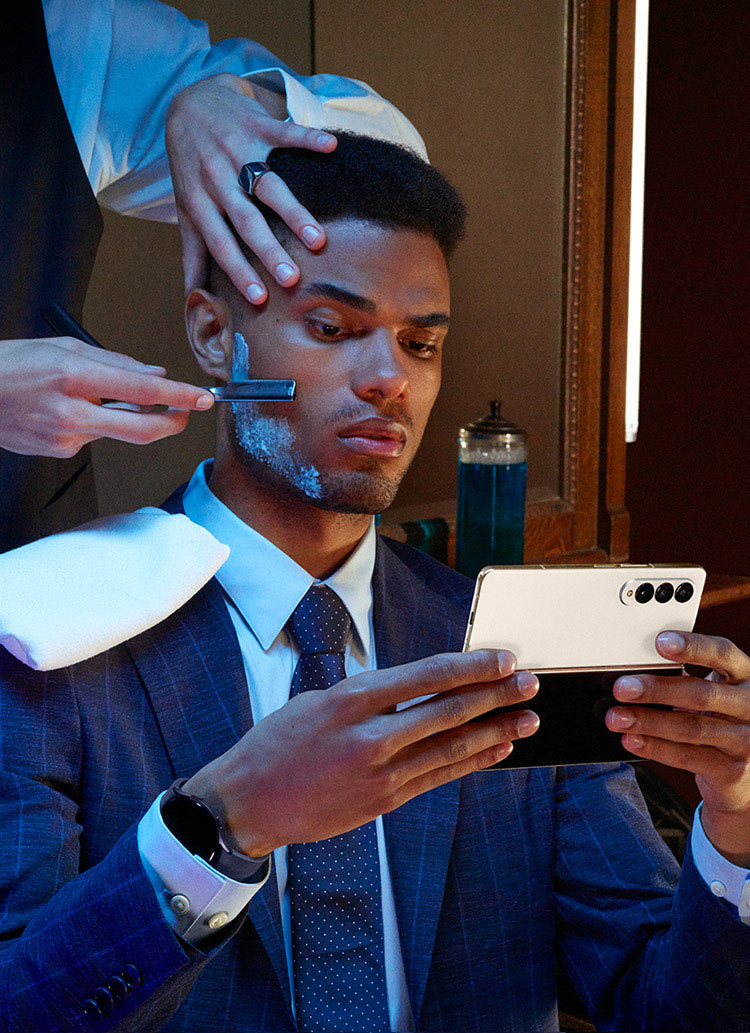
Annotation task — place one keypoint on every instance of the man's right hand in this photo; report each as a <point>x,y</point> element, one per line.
<point>51,390</point>
<point>329,761</point>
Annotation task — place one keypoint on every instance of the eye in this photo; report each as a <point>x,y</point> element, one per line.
<point>423,349</point>
<point>326,331</point>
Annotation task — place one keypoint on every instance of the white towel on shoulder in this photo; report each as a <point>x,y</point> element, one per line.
<point>67,597</point>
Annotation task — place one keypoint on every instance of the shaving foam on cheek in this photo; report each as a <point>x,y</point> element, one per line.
<point>240,362</point>
<point>269,439</point>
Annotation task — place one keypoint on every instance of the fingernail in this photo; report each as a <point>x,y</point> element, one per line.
<point>632,742</point>
<point>527,723</point>
<point>506,662</point>
<point>527,684</point>
<point>311,235</point>
<point>255,292</point>
<point>204,402</point>
<point>671,642</point>
<point>501,751</point>
<point>156,369</point>
<point>284,272</point>
<point>619,720</point>
<point>325,139</point>
<point>629,688</point>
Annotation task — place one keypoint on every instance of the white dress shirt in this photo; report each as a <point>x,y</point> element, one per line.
<point>119,63</point>
<point>262,587</point>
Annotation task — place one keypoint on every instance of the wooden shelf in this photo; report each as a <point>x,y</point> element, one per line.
<point>549,534</point>
<point>540,547</point>
<point>725,588</point>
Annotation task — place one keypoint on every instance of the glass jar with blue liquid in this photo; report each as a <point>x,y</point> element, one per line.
<point>491,493</point>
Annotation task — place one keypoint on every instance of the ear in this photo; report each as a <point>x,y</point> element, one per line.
<point>210,331</point>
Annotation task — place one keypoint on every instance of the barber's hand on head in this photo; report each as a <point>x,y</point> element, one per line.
<point>708,732</point>
<point>213,128</point>
<point>329,761</point>
<point>51,389</point>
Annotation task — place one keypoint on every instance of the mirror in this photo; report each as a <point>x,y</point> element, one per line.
<point>485,84</point>
<point>526,107</point>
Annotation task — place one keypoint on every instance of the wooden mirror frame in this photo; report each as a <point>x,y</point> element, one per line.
<point>588,521</point>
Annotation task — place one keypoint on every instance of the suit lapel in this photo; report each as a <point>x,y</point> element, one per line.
<point>192,669</point>
<point>411,622</point>
<point>193,672</point>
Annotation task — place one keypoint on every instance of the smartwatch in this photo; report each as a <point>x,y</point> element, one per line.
<point>194,824</point>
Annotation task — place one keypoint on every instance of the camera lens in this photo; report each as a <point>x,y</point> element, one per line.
<point>644,593</point>
<point>664,593</point>
<point>684,592</point>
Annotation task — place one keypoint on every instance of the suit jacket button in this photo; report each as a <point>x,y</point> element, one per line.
<point>132,976</point>
<point>118,988</point>
<point>104,999</point>
<point>92,1010</point>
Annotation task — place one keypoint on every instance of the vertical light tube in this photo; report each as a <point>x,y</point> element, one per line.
<point>635,269</point>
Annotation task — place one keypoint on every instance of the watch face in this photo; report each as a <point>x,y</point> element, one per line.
<point>192,823</point>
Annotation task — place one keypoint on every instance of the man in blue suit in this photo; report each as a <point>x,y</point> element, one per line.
<point>144,791</point>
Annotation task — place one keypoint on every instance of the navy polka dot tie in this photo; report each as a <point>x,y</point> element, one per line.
<point>334,885</point>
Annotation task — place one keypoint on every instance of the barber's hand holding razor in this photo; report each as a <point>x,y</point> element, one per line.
<point>329,761</point>
<point>51,391</point>
<point>707,732</point>
<point>214,127</point>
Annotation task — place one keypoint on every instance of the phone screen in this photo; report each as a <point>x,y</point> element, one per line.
<point>572,730</point>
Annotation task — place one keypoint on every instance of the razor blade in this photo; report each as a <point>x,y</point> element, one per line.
<point>256,391</point>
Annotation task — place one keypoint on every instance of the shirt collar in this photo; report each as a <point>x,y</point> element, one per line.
<point>263,582</point>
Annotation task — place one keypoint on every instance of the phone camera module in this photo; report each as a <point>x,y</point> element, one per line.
<point>684,592</point>
<point>664,592</point>
<point>644,593</point>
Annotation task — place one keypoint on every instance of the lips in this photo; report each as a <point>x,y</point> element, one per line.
<point>374,437</point>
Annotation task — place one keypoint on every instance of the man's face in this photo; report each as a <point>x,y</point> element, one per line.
<point>362,334</point>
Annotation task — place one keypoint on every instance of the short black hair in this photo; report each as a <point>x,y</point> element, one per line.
<point>373,180</point>
<point>368,179</point>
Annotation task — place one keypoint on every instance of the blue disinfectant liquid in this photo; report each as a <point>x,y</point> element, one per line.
<point>490,516</point>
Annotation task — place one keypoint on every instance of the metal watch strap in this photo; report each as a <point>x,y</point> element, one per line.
<point>230,863</point>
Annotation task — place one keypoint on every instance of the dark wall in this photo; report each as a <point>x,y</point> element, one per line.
<point>688,472</point>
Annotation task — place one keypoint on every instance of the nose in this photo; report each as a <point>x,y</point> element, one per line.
<point>381,370</point>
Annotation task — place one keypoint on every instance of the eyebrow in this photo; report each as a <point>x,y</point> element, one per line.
<point>330,290</point>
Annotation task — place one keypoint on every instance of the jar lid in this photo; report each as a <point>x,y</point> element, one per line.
<point>495,425</point>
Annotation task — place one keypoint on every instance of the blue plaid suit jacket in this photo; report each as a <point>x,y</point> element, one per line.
<point>496,877</point>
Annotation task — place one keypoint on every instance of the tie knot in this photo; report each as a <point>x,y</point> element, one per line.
<point>320,622</point>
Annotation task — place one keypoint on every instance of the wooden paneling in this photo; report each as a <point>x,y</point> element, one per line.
<point>614,520</point>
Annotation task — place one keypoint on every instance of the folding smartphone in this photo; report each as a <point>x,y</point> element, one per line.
<point>578,629</point>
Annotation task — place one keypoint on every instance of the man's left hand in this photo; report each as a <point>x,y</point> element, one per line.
<point>707,732</point>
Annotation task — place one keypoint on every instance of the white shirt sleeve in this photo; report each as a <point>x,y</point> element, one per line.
<point>119,63</point>
<point>195,899</point>
<point>723,878</point>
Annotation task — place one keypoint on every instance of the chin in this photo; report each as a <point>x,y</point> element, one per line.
<point>363,491</point>
<point>356,493</point>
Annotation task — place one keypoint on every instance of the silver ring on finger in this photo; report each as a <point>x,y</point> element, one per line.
<point>250,174</point>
